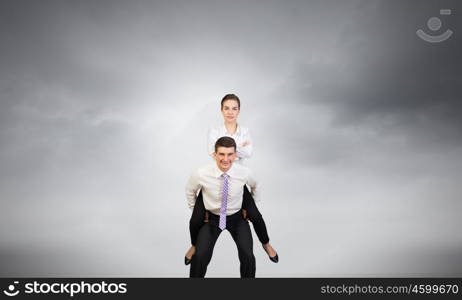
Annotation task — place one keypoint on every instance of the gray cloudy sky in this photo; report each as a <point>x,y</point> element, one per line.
<point>357,126</point>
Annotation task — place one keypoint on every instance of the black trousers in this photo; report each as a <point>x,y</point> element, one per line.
<point>207,237</point>
<point>248,203</point>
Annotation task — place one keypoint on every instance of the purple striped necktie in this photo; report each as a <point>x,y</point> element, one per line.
<point>224,202</point>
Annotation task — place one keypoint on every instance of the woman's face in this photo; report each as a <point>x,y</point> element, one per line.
<point>230,110</point>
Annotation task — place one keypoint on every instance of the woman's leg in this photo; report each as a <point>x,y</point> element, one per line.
<point>197,218</point>
<point>254,215</point>
<point>195,224</point>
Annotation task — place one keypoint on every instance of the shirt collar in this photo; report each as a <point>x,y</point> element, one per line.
<point>218,173</point>
<point>238,130</point>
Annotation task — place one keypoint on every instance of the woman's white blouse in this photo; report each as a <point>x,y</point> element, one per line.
<point>241,135</point>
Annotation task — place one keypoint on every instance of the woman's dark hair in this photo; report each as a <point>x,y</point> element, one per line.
<point>225,141</point>
<point>231,97</point>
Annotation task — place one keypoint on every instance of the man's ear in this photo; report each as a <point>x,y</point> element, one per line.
<point>214,154</point>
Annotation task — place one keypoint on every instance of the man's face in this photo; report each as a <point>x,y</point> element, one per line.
<point>225,157</point>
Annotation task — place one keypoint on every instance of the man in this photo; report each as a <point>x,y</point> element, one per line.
<point>222,187</point>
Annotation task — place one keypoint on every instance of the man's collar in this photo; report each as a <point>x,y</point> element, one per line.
<point>219,172</point>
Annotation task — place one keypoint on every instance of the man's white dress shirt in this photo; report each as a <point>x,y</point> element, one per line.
<point>241,135</point>
<point>209,178</point>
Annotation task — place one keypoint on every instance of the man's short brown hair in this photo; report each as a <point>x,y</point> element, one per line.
<point>225,141</point>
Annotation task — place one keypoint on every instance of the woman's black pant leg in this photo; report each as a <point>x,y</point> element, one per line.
<point>197,218</point>
<point>254,215</point>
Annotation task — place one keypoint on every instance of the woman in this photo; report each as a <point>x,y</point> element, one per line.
<point>230,108</point>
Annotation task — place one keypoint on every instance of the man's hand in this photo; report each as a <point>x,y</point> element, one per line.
<point>244,214</point>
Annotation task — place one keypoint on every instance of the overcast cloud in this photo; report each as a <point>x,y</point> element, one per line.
<point>105,105</point>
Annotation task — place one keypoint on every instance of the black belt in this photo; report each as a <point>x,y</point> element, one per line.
<point>229,219</point>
